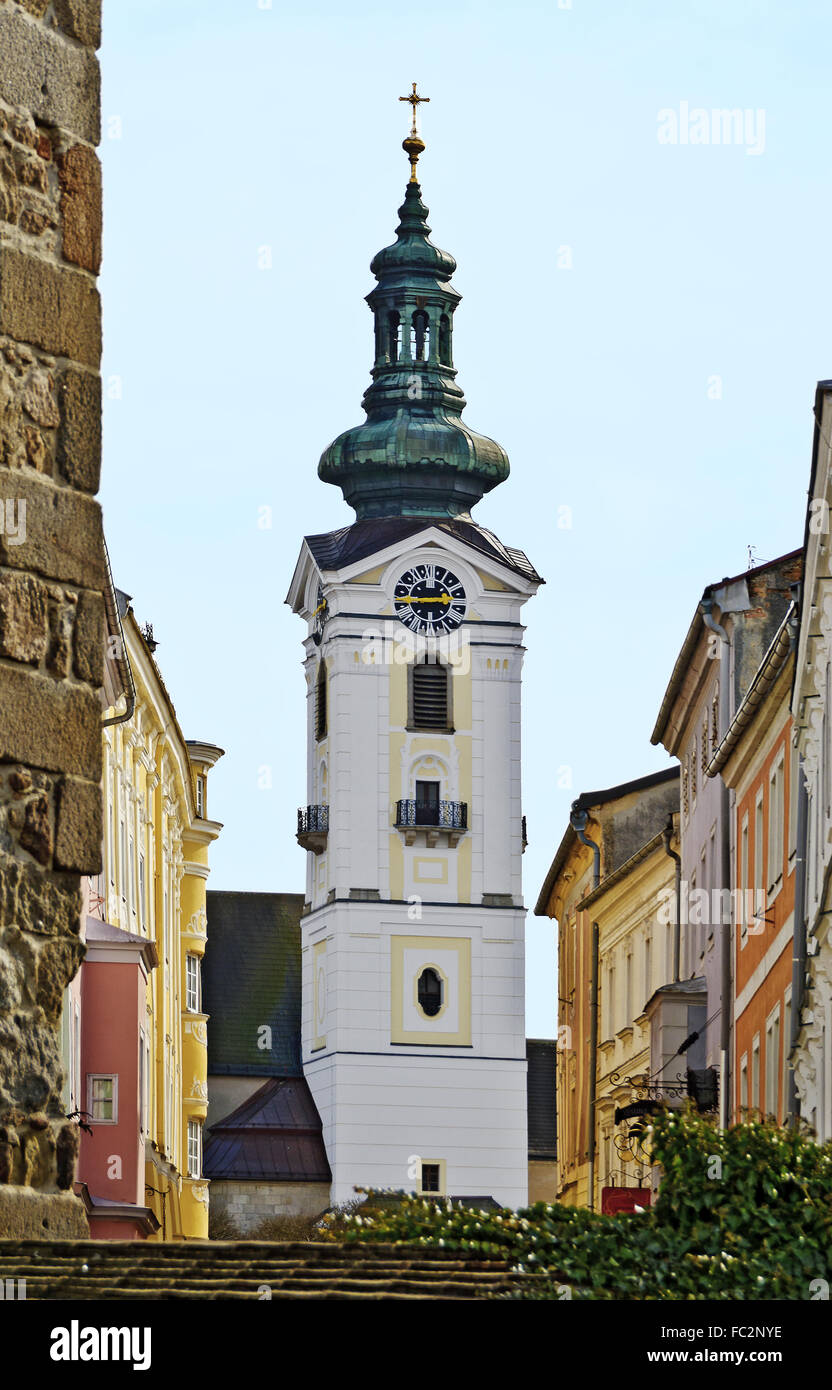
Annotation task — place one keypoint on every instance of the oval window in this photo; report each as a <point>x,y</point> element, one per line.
<point>429,992</point>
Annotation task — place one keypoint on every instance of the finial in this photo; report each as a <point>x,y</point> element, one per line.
<point>414,144</point>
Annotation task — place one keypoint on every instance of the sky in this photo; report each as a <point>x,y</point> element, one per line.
<point>644,319</point>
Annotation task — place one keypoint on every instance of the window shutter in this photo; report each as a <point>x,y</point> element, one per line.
<point>430,696</point>
<point>320,703</point>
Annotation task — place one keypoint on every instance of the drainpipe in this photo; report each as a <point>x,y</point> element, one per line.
<point>799,949</point>
<point>667,835</point>
<point>579,821</point>
<point>725,927</point>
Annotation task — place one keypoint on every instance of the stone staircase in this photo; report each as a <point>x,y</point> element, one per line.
<point>116,1270</point>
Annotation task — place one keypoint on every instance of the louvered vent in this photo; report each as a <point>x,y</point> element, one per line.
<point>320,703</point>
<point>430,696</point>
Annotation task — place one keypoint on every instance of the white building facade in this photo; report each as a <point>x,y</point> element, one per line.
<point>413,933</point>
<point>812,712</point>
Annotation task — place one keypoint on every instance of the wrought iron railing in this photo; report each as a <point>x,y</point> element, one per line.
<point>313,818</point>
<point>446,815</point>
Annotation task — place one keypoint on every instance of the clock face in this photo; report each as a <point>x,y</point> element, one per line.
<point>320,616</point>
<point>429,599</point>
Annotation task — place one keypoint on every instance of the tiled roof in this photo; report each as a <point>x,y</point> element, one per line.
<point>274,1136</point>
<point>541,1097</point>
<point>251,980</point>
<point>336,549</point>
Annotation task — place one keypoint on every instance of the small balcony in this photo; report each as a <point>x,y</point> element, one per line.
<point>448,819</point>
<point>313,828</point>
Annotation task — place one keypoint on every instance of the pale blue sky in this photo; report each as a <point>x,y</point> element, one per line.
<point>244,127</point>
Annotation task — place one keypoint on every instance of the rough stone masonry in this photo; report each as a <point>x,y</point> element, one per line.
<point>52,578</point>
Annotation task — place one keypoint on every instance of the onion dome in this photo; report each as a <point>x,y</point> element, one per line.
<point>414,455</point>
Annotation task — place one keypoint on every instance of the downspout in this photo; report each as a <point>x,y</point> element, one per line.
<point>799,949</point>
<point>579,821</point>
<point>725,938</point>
<point>667,835</point>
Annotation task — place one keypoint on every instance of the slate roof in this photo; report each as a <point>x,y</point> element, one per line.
<point>274,1136</point>
<point>251,978</point>
<point>541,1097</point>
<point>336,549</point>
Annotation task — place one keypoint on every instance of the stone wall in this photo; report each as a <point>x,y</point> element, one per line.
<point>52,578</point>
<point>249,1203</point>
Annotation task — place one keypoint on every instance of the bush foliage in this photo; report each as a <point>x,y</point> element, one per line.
<point>744,1214</point>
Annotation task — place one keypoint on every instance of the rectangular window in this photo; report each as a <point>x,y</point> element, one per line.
<point>787,1043</point>
<point>794,792</point>
<point>704,916</point>
<point>759,882</point>
<point>744,1086</point>
<point>648,965</point>
<point>142,1084</point>
<point>432,1176</point>
<point>773,1063</point>
<point>200,796</point>
<point>429,695</point>
<point>825,750</point>
<point>743,881</point>
<point>776,806</point>
<point>123,861</point>
<point>194,1149</point>
<point>113,838</point>
<point>691,936</point>
<point>192,983</point>
<point>142,900</point>
<point>756,1098</point>
<point>102,1098</point>
<point>76,1069</point>
<point>427,803</point>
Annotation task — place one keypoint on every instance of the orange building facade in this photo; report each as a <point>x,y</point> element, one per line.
<point>758,763</point>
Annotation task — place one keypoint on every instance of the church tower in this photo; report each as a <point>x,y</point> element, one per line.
<point>413,930</point>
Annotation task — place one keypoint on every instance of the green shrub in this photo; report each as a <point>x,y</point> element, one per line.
<point>744,1214</point>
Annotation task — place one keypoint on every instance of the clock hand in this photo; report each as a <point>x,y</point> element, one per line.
<point>440,598</point>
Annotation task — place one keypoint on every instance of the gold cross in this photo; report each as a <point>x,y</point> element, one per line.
<point>415,101</point>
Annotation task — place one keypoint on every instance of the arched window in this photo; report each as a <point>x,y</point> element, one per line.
<point>430,702</point>
<point>394,336</point>
<point>445,341</point>
<point>320,702</point>
<point>429,992</point>
<point>419,337</point>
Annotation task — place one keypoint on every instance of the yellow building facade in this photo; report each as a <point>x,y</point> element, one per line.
<point>603,895</point>
<point>157,835</point>
<point>635,958</point>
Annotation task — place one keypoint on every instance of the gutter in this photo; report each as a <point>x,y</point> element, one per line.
<point>122,659</point>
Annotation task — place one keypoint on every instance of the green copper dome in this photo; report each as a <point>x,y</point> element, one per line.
<point>414,455</point>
